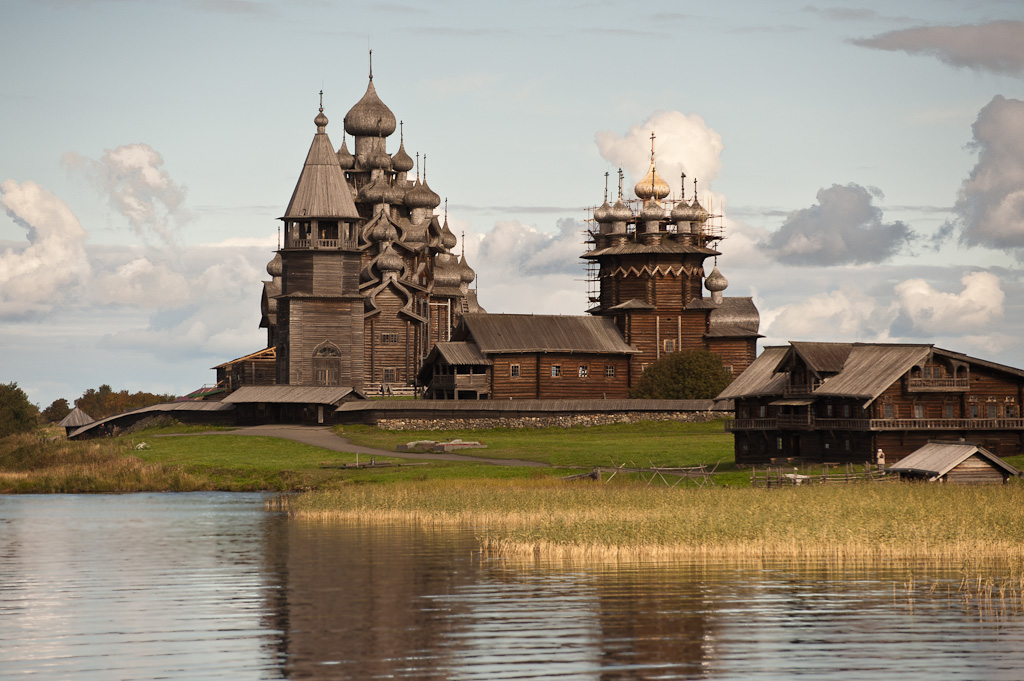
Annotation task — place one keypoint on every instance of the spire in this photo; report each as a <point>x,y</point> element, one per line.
<point>371,64</point>
<point>620,183</point>
<point>606,186</point>
<point>682,187</point>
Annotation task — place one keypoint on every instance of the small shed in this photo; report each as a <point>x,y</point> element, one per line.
<point>75,420</point>
<point>960,463</point>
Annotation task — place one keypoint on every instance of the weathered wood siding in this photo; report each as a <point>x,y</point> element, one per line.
<point>337,321</point>
<point>536,382</point>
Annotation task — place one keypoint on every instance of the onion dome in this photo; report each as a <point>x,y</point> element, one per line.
<point>373,192</point>
<point>652,185</point>
<point>346,160</point>
<point>621,212</point>
<point>446,270</point>
<point>414,234</point>
<point>465,271</point>
<point>448,239</point>
<point>388,260</point>
<point>275,267</point>
<point>370,117</point>
<point>401,162</point>
<point>603,213</point>
<point>435,200</point>
<point>715,282</point>
<point>682,212</point>
<point>652,210</point>
<point>393,194</point>
<point>701,215</point>
<point>419,196</point>
<point>320,120</point>
<point>383,230</point>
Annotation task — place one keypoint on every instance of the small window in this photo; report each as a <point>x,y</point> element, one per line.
<point>728,368</point>
<point>389,338</point>
<point>1011,411</point>
<point>847,445</point>
<point>828,410</point>
<point>513,370</point>
<point>609,371</point>
<point>583,371</point>
<point>918,411</point>
<point>950,411</point>
<point>390,375</point>
<point>556,370</point>
<point>763,411</point>
<point>973,410</point>
<point>670,345</point>
<point>992,411</point>
<point>846,411</point>
<point>889,411</point>
<point>778,443</point>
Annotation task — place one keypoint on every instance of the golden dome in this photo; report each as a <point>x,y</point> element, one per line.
<point>651,185</point>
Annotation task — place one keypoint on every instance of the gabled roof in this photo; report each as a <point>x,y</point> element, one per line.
<point>496,333</point>
<point>821,358</point>
<point>871,368</point>
<point>760,377</point>
<point>458,352</point>
<point>292,394</point>
<point>76,419</point>
<point>936,459</point>
<point>732,316</point>
<point>321,190</point>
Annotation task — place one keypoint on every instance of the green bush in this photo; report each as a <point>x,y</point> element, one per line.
<point>683,375</point>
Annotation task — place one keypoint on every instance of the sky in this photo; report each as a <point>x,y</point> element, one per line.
<point>867,160</point>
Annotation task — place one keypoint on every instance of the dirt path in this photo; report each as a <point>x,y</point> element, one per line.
<point>324,437</point>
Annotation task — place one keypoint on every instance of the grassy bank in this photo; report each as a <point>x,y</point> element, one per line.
<point>595,521</point>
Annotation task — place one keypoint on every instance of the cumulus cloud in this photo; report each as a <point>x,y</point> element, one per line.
<point>140,282</point>
<point>989,208</point>
<point>843,228</point>
<point>682,144</point>
<point>977,306</point>
<point>136,186</point>
<point>523,250</point>
<point>996,47</point>
<point>845,314</point>
<point>45,273</point>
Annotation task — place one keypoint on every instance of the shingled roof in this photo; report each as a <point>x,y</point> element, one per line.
<point>321,190</point>
<point>935,459</point>
<point>760,378</point>
<point>496,333</point>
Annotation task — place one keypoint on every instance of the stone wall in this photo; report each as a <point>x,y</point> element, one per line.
<point>547,421</point>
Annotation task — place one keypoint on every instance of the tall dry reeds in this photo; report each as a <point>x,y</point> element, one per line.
<point>600,522</point>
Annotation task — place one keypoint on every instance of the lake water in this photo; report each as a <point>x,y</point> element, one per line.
<point>207,586</point>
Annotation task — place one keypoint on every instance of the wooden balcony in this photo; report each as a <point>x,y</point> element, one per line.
<point>750,424</point>
<point>319,244</point>
<point>938,385</point>
<point>797,389</point>
<point>947,424</point>
<point>479,382</point>
<point>799,421</point>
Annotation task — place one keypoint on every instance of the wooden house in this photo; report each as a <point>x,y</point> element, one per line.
<point>257,368</point>
<point>75,420</point>
<point>964,464</point>
<point>842,402</point>
<point>507,356</point>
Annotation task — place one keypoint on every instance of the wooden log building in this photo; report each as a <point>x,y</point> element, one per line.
<point>842,402</point>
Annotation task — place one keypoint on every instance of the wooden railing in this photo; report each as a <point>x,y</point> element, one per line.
<point>808,421</point>
<point>460,381</point>
<point>937,384</point>
<point>801,388</point>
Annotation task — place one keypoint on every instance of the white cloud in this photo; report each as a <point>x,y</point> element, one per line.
<point>990,204</point>
<point>996,47</point>
<point>682,144</point>
<point>141,283</point>
<point>135,185</point>
<point>47,272</point>
<point>844,314</point>
<point>844,227</point>
<point>977,306</point>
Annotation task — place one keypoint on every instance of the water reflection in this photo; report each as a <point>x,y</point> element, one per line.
<point>212,586</point>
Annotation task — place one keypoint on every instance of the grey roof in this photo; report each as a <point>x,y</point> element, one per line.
<point>76,418</point>
<point>265,353</point>
<point>936,459</point>
<point>596,406</point>
<point>822,357</point>
<point>157,408</point>
<point>980,362</point>
<point>632,304</point>
<point>458,352</point>
<point>760,377</point>
<point>634,248</point>
<point>871,368</point>
<point>496,333</point>
<point>732,317</point>
<point>321,190</point>
<point>292,394</point>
